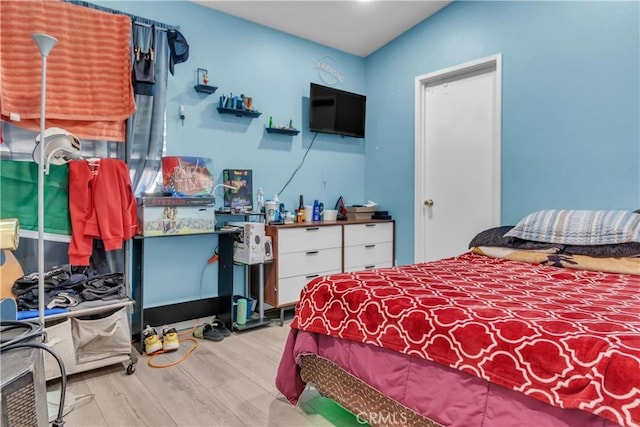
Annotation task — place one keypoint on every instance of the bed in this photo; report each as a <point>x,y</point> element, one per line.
<point>497,336</point>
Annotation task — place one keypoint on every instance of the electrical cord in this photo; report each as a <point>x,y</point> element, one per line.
<point>23,341</point>
<point>299,166</point>
<point>210,261</point>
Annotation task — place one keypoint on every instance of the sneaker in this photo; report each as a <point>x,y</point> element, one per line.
<point>170,339</point>
<point>152,343</point>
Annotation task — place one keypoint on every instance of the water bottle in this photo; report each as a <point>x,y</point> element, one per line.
<point>260,200</point>
<point>316,211</point>
<point>277,202</point>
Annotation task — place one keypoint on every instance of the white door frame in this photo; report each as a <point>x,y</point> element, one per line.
<point>494,61</point>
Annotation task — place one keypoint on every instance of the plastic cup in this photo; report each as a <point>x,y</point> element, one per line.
<point>270,208</point>
<point>330,215</point>
<point>308,213</point>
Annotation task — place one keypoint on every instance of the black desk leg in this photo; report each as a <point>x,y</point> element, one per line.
<point>225,277</point>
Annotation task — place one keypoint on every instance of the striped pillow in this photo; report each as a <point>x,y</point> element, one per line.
<point>575,227</point>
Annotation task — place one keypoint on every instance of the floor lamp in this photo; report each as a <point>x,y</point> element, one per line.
<point>45,43</point>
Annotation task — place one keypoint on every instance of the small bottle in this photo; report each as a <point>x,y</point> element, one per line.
<point>259,200</point>
<point>301,212</point>
<point>316,211</point>
<point>270,121</point>
<point>290,124</point>
<point>277,213</point>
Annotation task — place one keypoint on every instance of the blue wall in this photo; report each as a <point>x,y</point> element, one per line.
<point>570,130</point>
<point>275,69</point>
<point>571,115</point>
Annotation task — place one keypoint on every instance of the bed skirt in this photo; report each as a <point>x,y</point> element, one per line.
<point>356,396</point>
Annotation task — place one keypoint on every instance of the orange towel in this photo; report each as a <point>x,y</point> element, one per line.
<point>89,90</point>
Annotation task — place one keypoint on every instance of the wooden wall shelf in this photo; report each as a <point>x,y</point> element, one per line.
<point>205,89</point>
<point>239,113</point>
<point>285,131</point>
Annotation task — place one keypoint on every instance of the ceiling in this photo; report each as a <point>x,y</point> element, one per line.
<point>356,27</point>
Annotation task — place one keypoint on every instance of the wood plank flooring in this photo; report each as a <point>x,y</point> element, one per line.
<point>227,383</point>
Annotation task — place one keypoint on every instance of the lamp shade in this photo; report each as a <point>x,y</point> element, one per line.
<point>60,146</point>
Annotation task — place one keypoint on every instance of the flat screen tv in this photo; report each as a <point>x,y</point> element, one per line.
<point>336,111</point>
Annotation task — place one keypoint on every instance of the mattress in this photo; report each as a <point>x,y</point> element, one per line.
<point>567,338</point>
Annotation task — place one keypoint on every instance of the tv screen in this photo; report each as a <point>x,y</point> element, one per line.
<point>336,111</point>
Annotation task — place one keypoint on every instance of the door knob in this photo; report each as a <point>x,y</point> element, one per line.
<point>428,202</point>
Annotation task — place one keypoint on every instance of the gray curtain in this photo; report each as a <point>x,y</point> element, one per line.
<point>146,128</point>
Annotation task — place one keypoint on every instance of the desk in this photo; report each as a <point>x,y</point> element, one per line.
<point>173,313</point>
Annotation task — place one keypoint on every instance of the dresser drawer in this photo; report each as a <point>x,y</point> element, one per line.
<point>311,238</point>
<point>309,262</point>
<point>289,288</point>
<point>364,234</point>
<point>368,266</point>
<point>373,253</point>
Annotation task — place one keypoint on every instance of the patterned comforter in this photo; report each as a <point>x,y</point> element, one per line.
<point>568,337</point>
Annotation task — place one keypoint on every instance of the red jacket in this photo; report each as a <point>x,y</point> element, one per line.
<point>101,205</point>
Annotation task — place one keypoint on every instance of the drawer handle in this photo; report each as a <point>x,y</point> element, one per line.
<point>313,228</point>
<point>370,225</point>
<point>311,276</point>
<point>370,246</point>
<point>312,252</point>
<point>369,267</point>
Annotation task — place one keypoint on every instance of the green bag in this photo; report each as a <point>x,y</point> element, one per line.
<point>19,196</point>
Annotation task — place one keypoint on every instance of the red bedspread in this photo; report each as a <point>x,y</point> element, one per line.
<point>567,337</point>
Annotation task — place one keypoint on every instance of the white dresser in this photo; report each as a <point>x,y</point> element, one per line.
<point>303,251</point>
<point>368,246</point>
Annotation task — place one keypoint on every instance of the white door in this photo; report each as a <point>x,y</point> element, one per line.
<point>457,170</point>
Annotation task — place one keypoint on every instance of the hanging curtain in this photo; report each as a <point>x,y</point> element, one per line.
<point>146,128</point>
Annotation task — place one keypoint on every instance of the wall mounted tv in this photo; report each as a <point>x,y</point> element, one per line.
<point>336,111</point>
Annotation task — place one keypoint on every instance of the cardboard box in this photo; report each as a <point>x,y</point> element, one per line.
<point>240,199</point>
<point>248,245</point>
<point>163,216</point>
<point>360,212</point>
<point>362,209</point>
<point>357,216</point>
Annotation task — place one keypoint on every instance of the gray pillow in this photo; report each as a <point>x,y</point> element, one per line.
<point>579,227</point>
<point>495,237</point>
<point>631,249</point>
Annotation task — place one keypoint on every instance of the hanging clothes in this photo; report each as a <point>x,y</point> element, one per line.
<point>101,205</point>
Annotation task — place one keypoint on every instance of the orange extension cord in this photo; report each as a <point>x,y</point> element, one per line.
<point>189,333</point>
<point>183,358</point>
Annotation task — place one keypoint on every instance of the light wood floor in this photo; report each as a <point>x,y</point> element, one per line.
<point>227,383</point>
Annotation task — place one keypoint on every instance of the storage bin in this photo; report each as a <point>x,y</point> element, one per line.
<point>58,339</point>
<point>101,338</point>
